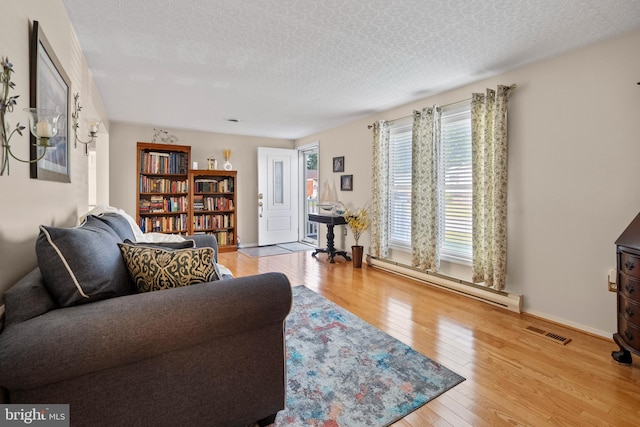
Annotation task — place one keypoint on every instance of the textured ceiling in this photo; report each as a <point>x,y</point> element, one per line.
<point>290,68</point>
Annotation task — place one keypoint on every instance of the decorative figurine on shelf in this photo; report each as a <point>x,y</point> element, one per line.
<point>227,155</point>
<point>212,163</point>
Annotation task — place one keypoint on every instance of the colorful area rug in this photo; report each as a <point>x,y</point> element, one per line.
<point>342,371</point>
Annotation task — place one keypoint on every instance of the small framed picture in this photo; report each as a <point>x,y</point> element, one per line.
<point>346,182</point>
<point>338,164</point>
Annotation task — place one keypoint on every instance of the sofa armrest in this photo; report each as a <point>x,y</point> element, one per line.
<point>75,341</point>
<point>205,240</point>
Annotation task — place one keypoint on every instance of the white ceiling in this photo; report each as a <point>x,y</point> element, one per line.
<point>290,68</point>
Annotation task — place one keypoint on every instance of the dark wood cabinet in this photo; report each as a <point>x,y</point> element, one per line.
<point>628,260</point>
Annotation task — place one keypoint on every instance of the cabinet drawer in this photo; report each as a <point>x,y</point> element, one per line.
<point>630,287</point>
<point>628,332</point>
<point>629,309</point>
<point>630,264</point>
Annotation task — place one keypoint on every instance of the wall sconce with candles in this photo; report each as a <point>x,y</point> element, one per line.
<point>43,124</point>
<point>93,124</point>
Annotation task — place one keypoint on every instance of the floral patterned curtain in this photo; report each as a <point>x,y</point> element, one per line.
<point>489,151</point>
<point>380,198</point>
<point>426,193</point>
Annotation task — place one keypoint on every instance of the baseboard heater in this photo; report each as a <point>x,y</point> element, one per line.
<point>511,302</point>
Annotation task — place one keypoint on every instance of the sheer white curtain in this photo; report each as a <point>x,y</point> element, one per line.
<point>489,151</point>
<point>380,190</point>
<point>426,190</point>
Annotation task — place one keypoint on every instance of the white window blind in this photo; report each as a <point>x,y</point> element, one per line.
<point>456,162</point>
<point>400,183</point>
<point>457,175</point>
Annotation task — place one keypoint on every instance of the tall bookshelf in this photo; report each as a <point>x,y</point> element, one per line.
<point>213,208</point>
<point>163,187</point>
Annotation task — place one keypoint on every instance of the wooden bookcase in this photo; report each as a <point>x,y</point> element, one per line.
<point>212,206</point>
<point>162,196</point>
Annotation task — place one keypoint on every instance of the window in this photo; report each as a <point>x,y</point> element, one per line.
<point>456,163</point>
<point>400,184</point>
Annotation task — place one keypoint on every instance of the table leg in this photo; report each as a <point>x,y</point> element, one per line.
<point>331,249</point>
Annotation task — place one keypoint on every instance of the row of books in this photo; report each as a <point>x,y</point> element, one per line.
<point>164,224</point>
<point>224,238</point>
<point>203,185</point>
<point>156,204</point>
<point>202,203</point>
<point>211,222</point>
<point>162,185</point>
<point>159,162</point>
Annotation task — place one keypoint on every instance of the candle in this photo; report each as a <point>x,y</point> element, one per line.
<point>93,128</point>
<point>44,130</point>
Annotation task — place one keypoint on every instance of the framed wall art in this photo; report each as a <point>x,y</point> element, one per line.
<point>338,164</point>
<point>50,89</point>
<point>346,182</point>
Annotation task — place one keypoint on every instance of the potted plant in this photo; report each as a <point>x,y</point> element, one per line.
<point>358,221</point>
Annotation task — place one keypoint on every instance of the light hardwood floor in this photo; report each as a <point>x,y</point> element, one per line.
<point>512,377</point>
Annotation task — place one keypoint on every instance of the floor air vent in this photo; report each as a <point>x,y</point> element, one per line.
<point>549,335</point>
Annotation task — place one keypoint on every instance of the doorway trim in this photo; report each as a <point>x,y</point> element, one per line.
<point>302,220</point>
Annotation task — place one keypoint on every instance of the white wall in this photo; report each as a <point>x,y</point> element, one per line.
<point>574,129</point>
<point>124,136</point>
<point>27,203</point>
<point>574,150</point>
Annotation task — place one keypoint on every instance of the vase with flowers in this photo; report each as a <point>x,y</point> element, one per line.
<point>227,155</point>
<point>358,222</point>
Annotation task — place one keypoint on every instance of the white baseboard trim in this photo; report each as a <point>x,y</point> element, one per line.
<point>511,302</point>
<point>247,245</point>
<point>570,324</point>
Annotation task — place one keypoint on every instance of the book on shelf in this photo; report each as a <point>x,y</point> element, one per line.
<point>152,162</point>
<point>162,185</point>
<point>208,222</point>
<point>209,185</point>
<point>164,224</point>
<point>225,238</point>
<point>198,203</point>
<point>206,203</point>
<point>161,204</point>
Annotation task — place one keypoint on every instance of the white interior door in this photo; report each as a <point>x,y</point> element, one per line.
<point>277,196</point>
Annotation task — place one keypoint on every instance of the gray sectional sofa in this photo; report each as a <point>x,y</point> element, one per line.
<point>209,354</point>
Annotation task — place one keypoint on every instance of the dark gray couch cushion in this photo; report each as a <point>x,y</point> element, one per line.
<point>155,269</point>
<point>82,264</point>
<point>27,299</point>
<point>118,223</point>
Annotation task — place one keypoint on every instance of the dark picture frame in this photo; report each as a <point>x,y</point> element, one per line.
<point>346,182</point>
<point>51,89</point>
<point>338,164</point>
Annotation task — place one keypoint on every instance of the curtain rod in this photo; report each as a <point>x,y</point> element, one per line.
<point>513,86</point>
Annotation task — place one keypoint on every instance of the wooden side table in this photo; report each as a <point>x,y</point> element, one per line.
<point>330,221</point>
